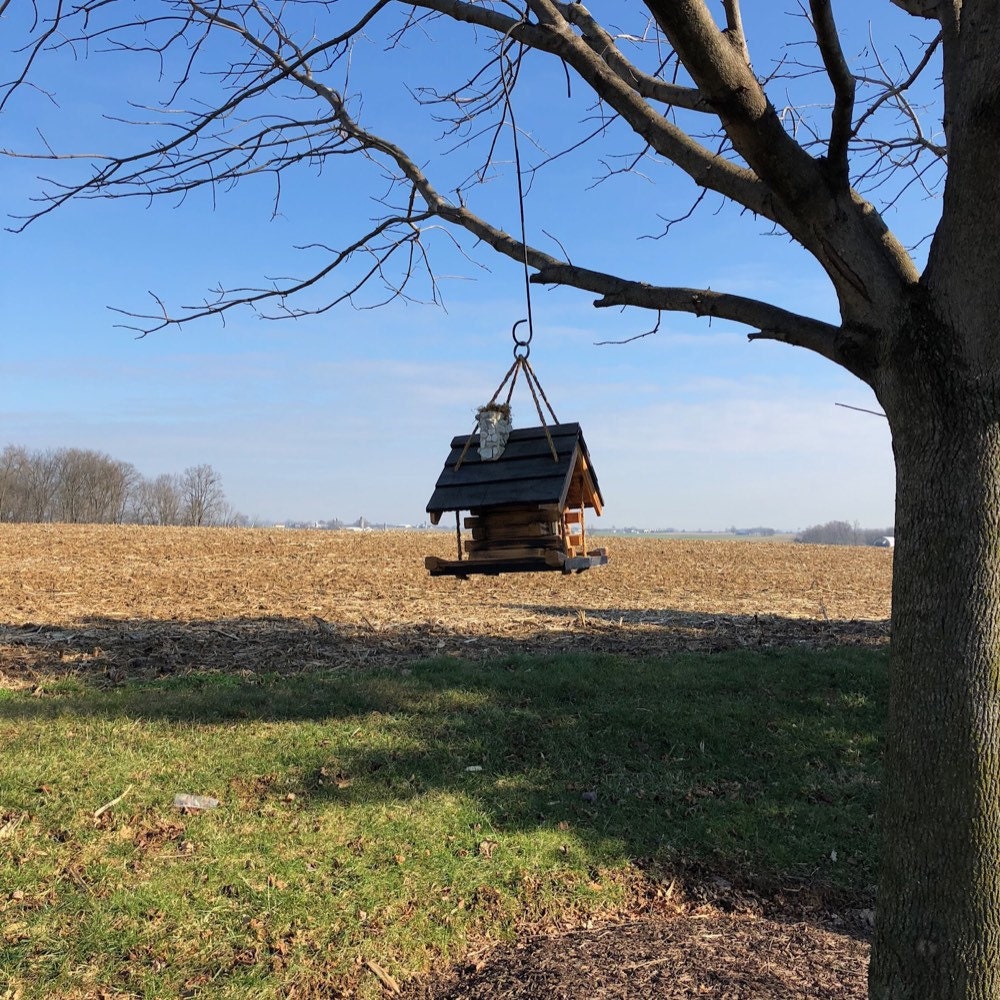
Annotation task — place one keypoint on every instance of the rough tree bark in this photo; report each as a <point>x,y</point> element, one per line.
<point>938,931</point>
<point>938,925</point>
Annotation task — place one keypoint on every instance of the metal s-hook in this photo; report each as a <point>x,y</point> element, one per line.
<point>522,347</point>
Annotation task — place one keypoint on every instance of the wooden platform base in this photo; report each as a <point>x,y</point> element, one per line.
<point>547,563</point>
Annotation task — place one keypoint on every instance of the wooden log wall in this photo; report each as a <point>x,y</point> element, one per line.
<point>514,533</point>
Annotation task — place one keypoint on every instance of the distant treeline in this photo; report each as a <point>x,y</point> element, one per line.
<point>842,533</point>
<point>77,486</point>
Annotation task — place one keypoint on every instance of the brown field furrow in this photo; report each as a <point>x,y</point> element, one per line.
<point>128,601</point>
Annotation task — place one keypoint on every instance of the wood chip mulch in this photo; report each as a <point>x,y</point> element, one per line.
<point>707,954</point>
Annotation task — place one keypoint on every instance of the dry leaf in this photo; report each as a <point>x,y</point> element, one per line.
<point>383,977</point>
<point>7,830</point>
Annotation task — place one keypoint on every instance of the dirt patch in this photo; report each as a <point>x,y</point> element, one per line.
<point>707,954</point>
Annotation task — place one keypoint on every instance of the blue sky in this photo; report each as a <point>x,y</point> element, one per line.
<point>351,412</point>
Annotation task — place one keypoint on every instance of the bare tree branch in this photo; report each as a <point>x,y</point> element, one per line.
<point>228,299</point>
<point>634,337</point>
<point>650,87</point>
<point>600,41</point>
<point>31,51</point>
<point>770,322</point>
<point>892,92</point>
<point>745,154</point>
<point>701,164</point>
<point>842,79</point>
<point>807,205</point>
<point>734,27</point>
<point>921,8</point>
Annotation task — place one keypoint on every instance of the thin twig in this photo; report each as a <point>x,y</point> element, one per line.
<point>860,409</point>
<point>628,340</point>
<point>98,813</point>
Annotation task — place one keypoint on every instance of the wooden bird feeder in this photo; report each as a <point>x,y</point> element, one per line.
<point>526,508</point>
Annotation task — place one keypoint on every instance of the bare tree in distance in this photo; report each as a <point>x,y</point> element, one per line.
<point>93,488</point>
<point>80,486</point>
<point>676,84</point>
<point>13,492</point>
<point>113,503</point>
<point>41,484</point>
<point>159,500</point>
<point>202,498</point>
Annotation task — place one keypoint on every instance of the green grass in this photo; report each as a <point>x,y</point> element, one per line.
<point>352,827</point>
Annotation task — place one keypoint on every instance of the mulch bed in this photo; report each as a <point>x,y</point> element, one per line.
<point>708,938</point>
<point>706,954</point>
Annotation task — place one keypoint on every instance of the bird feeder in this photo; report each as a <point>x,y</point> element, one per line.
<point>525,501</point>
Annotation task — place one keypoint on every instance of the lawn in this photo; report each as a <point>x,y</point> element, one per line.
<point>387,819</point>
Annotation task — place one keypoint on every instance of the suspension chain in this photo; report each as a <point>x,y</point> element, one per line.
<point>522,345</point>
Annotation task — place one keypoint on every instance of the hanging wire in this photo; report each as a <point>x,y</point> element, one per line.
<point>532,377</point>
<point>520,364</point>
<point>522,345</point>
<point>519,344</point>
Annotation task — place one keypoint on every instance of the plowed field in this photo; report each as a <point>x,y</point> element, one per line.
<point>126,601</point>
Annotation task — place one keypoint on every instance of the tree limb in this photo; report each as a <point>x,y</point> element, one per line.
<point>650,87</point>
<point>734,93</point>
<point>596,37</point>
<point>757,165</point>
<point>842,79</point>
<point>32,51</point>
<point>770,322</point>
<point>255,298</point>
<point>553,34</point>
<point>836,226</point>
<point>734,27</point>
<point>930,9</point>
<point>895,91</point>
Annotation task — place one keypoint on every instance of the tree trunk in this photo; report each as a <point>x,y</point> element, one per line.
<point>938,918</point>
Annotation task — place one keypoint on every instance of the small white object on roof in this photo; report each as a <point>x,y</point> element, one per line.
<point>494,430</point>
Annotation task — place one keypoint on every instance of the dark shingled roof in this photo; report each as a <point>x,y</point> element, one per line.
<point>525,473</point>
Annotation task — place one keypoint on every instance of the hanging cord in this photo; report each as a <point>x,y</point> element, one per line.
<point>533,378</point>
<point>522,345</point>
<point>520,200</point>
<point>520,364</point>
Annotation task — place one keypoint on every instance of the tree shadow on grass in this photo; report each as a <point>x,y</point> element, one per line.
<point>668,629</point>
<point>112,650</point>
<point>754,767</point>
